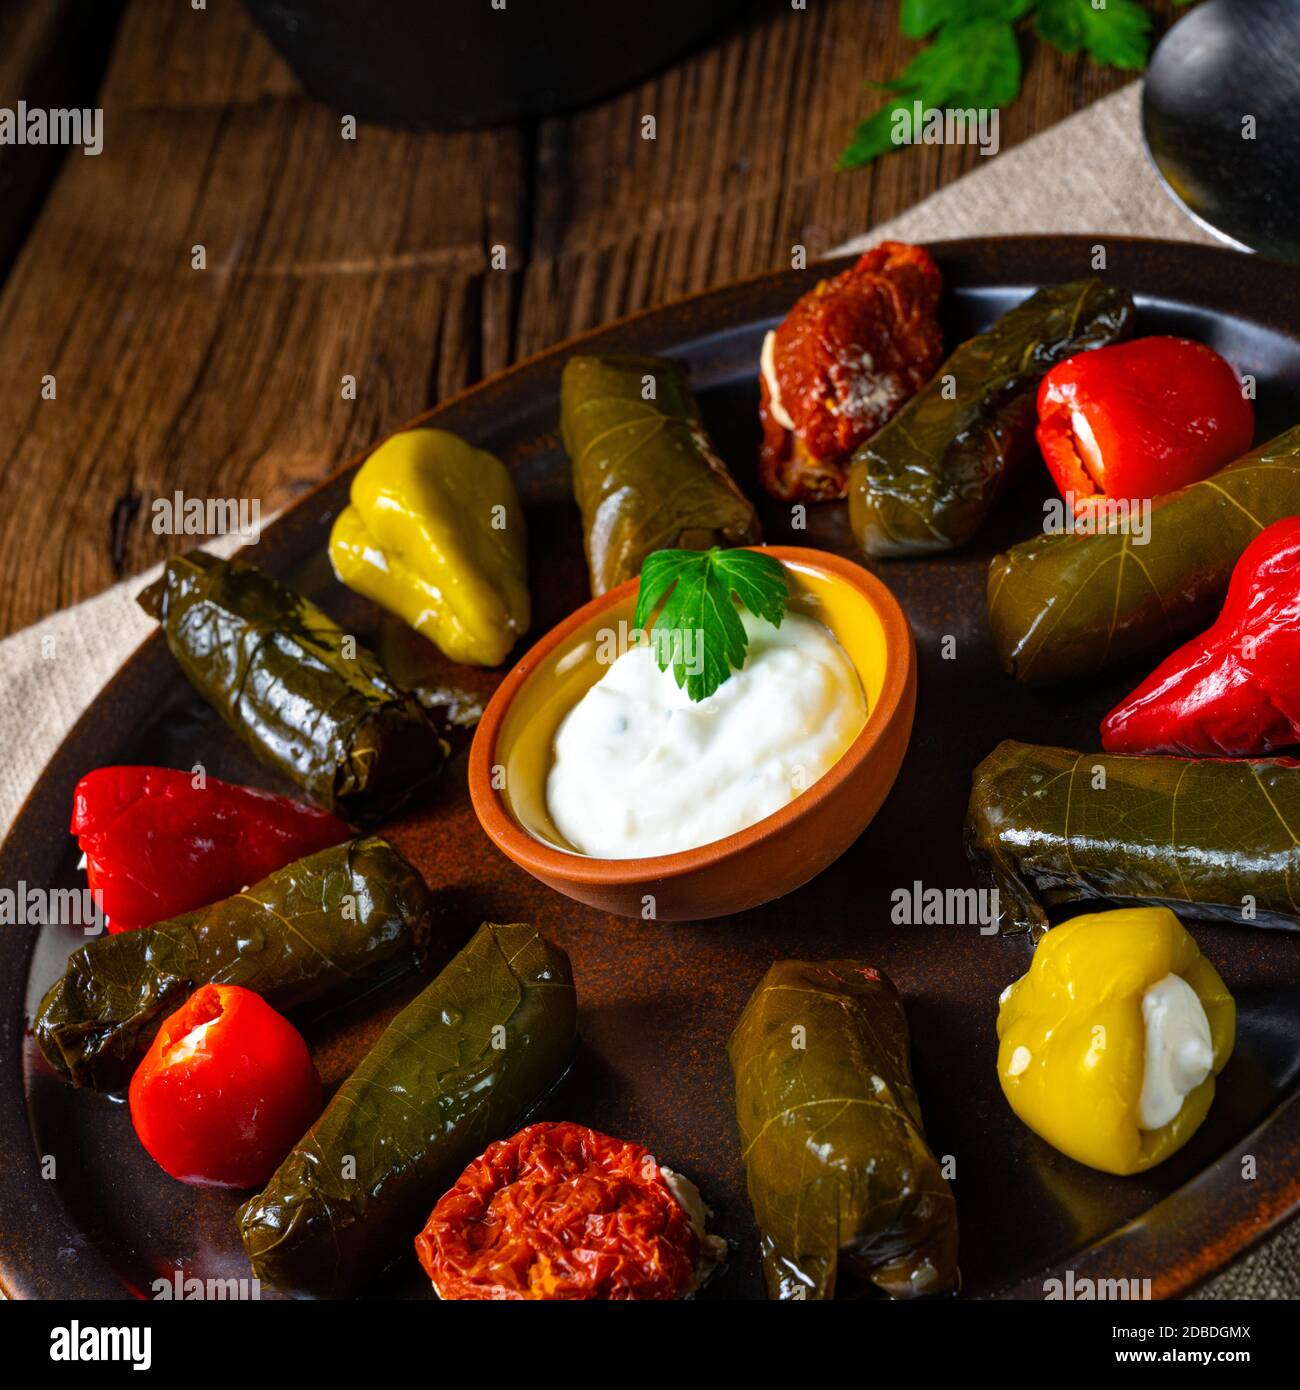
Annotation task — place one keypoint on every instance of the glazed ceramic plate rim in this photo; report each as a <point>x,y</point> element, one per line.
<point>36,1224</point>
<point>502,826</point>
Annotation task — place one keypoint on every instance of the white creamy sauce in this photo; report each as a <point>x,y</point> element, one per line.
<point>767,365</point>
<point>1179,1051</point>
<point>640,770</point>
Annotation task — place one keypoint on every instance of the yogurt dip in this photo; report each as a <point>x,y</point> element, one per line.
<point>641,770</point>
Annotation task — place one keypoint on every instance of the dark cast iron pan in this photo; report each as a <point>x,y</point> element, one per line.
<point>449,65</point>
<point>658,1001</point>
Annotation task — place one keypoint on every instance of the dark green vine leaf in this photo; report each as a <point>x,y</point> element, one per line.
<point>333,925</point>
<point>926,481</point>
<point>295,687</point>
<point>645,472</point>
<point>841,1179</point>
<point>1209,837</point>
<point>1066,605</point>
<point>460,1066</point>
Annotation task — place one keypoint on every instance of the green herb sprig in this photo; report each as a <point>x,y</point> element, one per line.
<point>698,629</point>
<point>973,60</point>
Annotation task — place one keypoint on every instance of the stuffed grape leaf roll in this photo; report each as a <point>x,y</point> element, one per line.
<point>844,1187</point>
<point>1070,604</point>
<point>926,481</point>
<point>1208,837</point>
<point>303,694</point>
<point>458,1068</point>
<point>645,473</point>
<point>333,925</point>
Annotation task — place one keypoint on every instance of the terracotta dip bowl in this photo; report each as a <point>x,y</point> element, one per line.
<point>512,754</point>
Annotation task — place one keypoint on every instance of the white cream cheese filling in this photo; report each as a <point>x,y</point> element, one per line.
<point>767,363</point>
<point>713,1249</point>
<point>1179,1051</point>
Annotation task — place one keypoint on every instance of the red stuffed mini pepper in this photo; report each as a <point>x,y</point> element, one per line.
<point>1137,419</point>
<point>843,360</point>
<point>225,1091</point>
<point>560,1212</point>
<point>156,845</point>
<point>1235,689</point>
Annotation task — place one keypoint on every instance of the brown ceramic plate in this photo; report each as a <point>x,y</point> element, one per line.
<point>658,1001</point>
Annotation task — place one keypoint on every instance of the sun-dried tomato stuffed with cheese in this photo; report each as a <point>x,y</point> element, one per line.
<point>844,359</point>
<point>561,1212</point>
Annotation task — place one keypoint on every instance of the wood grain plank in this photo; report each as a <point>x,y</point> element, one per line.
<point>742,166</point>
<point>373,258</point>
<point>324,257</point>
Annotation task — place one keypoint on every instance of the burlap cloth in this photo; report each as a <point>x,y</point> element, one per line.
<point>1087,174</point>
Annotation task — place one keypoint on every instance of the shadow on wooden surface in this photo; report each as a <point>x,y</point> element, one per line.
<point>347,283</point>
<point>52,55</point>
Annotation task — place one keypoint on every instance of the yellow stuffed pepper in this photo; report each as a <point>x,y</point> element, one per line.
<point>435,533</point>
<point>1109,1046</point>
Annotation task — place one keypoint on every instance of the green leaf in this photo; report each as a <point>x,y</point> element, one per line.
<point>1117,34</point>
<point>872,137</point>
<point>1064,606</point>
<point>698,630</point>
<point>1200,835</point>
<point>463,1062</point>
<point>295,687</point>
<point>975,63</point>
<point>972,64</point>
<point>644,471</point>
<point>928,479</point>
<point>100,1015</point>
<point>832,1138</point>
<point>917,18</point>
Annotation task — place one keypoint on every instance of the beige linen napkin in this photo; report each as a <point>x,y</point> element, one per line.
<point>1087,174</point>
<point>51,671</point>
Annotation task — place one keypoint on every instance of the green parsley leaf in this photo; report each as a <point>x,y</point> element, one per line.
<point>975,63</point>
<point>1116,35</point>
<point>917,18</point>
<point>698,628</point>
<point>971,65</point>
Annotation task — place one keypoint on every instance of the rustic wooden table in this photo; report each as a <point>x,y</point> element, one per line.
<point>371,258</point>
